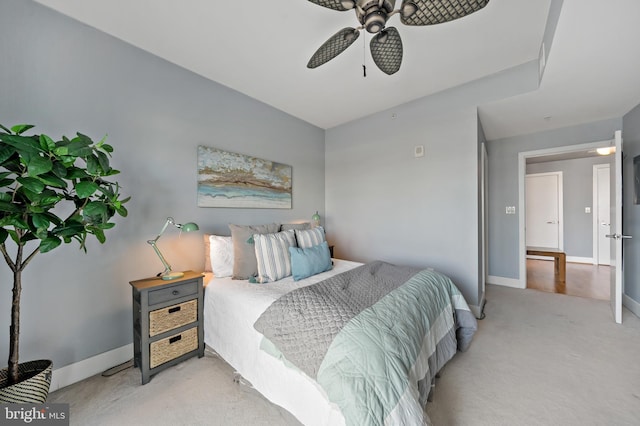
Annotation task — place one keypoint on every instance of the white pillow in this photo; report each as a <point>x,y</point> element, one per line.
<point>272,254</point>
<point>221,253</point>
<point>310,237</point>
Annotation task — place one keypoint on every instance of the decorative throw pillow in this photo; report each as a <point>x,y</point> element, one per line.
<point>207,253</point>
<point>306,262</point>
<point>287,226</point>
<point>272,255</point>
<point>221,255</point>
<point>310,237</point>
<point>244,254</point>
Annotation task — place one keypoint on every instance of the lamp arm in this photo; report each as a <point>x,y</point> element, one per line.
<point>167,267</point>
<point>164,228</point>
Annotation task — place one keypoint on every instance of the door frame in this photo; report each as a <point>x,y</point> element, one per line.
<point>522,169</point>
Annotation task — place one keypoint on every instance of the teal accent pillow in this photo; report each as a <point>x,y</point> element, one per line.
<point>309,261</point>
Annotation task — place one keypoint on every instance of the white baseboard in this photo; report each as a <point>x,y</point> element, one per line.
<point>572,259</point>
<point>70,374</point>
<point>631,304</point>
<point>575,259</point>
<point>505,282</point>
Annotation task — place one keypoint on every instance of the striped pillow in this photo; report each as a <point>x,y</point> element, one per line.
<point>272,254</point>
<point>310,237</point>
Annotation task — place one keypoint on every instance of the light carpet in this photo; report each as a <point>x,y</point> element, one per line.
<point>537,359</point>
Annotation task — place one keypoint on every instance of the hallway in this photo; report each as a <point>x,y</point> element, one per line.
<point>583,280</point>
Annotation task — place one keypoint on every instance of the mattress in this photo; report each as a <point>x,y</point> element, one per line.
<point>231,308</point>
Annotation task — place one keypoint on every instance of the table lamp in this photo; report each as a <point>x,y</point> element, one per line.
<point>168,274</point>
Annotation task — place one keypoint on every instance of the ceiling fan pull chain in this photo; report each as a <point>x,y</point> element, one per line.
<point>364,55</point>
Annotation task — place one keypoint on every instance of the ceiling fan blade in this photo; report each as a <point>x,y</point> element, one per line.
<point>386,50</point>
<point>340,5</point>
<point>331,48</point>
<point>431,12</point>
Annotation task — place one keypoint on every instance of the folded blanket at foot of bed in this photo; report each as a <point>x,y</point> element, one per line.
<point>373,337</point>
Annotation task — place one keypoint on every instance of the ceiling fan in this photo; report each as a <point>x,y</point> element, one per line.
<point>386,44</point>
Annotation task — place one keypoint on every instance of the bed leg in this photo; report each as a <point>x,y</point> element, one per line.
<point>431,392</point>
<point>239,380</point>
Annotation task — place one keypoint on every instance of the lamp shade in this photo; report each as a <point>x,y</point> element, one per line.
<point>189,227</point>
<point>315,219</point>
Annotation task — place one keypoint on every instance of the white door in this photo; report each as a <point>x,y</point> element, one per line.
<point>543,192</point>
<point>603,213</point>
<point>616,228</point>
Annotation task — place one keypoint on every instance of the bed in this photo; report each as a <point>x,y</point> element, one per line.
<point>347,371</point>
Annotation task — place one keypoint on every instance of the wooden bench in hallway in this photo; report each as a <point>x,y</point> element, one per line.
<point>559,260</point>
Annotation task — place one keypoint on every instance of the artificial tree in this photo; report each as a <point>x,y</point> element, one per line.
<point>41,179</point>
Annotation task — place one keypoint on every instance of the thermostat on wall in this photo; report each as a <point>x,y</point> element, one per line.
<point>418,151</point>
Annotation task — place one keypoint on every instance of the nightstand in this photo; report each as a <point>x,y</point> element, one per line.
<point>167,322</point>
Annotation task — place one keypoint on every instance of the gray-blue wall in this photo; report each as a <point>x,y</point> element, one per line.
<point>63,77</point>
<point>503,185</point>
<point>631,211</point>
<point>577,179</point>
<point>382,203</point>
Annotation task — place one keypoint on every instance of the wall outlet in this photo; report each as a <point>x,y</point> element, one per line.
<point>418,151</point>
<point>587,209</point>
<point>510,210</point>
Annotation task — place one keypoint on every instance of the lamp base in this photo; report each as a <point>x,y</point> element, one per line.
<point>172,275</point>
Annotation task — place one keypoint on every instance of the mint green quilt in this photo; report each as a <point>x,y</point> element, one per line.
<point>383,348</point>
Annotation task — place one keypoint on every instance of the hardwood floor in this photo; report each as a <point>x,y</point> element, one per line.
<point>584,280</point>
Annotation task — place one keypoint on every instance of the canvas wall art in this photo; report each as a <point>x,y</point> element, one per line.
<point>228,179</point>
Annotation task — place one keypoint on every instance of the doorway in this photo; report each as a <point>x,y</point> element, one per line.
<point>581,267</point>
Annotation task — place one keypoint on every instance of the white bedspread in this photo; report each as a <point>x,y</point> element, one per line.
<point>231,308</point>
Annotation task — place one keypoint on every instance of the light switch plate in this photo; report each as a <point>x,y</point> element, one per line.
<point>418,151</point>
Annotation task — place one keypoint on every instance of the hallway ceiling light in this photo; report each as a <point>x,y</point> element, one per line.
<point>607,150</point>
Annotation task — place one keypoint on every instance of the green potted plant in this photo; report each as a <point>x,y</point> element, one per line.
<point>41,179</point>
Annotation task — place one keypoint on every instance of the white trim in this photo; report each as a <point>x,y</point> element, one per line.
<point>522,168</point>
<point>530,256</point>
<point>70,374</point>
<point>631,305</point>
<point>506,282</point>
<point>576,259</point>
<point>570,259</point>
<point>484,222</point>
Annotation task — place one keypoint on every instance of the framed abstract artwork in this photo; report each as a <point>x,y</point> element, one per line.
<point>228,179</point>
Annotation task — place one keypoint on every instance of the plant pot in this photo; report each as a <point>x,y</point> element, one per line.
<point>34,378</point>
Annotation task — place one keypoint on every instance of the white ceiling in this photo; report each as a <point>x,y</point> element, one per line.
<point>261,48</point>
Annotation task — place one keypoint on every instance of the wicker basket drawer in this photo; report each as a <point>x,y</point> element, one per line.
<point>172,347</point>
<point>171,317</point>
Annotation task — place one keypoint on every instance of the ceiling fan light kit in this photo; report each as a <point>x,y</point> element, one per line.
<point>373,15</point>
